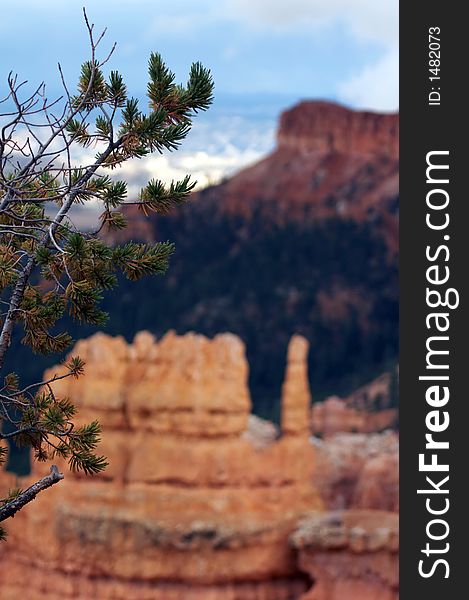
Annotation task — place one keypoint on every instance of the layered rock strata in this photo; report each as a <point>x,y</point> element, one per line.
<point>355,470</point>
<point>319,126</point>
<point>330,161</point>
<point>369,409</point>
<point>188,507</point>
<point>352,554</point>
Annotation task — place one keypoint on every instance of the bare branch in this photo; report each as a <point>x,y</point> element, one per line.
<point>49,267</point>
<point>13,506</point>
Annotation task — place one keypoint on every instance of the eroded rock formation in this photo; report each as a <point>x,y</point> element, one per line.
<point>296,395</point>
<point>201,500</point>
<point>370,408</point>
<point>356,470</point>
<point>330,161</point>
<point>353,555</point>
<point>188,508</point>
<point>335,416</point>
<point>327,127</point>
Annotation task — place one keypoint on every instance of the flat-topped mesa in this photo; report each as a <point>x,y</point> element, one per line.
<point>296,394</point>
<point>330,162</point>
<point>318,126</point>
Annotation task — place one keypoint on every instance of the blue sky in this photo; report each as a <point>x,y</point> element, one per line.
<point>340,49</point>
<point>265,55</point>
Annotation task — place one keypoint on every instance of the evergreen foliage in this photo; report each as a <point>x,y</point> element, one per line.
<point>49,268</point>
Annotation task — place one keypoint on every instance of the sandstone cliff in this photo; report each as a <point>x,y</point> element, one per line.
<point>331,128</point>
<point>329,161</point>
<point>293,243</point>
<point>203,501</point>
<point>188,508</point>
<point>371,408</point>
<point>352,554</point>
<point>356,470</point>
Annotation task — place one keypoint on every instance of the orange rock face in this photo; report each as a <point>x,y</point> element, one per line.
<point>330,161</point>
<point>334,416</point>
<point>327,127</point>
<point>367,410</point>
<point>189,508</point>
<point>358,471</point>
<point>296,396</point>
<point>353,555</point>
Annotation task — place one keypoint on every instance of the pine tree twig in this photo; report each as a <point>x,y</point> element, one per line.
<point>51,269</point>
<point>12,507</point>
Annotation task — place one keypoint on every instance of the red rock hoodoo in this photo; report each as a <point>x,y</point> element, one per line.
<point>188,508</point>
<point>201,500</point>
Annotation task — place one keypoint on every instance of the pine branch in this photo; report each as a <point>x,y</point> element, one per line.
<point>12,507</point>
<point>48,266</point>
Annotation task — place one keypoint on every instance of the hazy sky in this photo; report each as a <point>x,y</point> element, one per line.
<point>265,55</point>
<point>339,49</point>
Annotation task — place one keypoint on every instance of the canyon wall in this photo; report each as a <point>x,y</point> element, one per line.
<point>353,555</point>
<point>335,416</point>
<point>369,409</point>
<point>327,127</point>
<point>355,470</point>
<point>188,508</point>
<point>201,499</point>
<point>330,161</point>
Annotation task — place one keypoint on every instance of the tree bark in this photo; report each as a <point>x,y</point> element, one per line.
<point>12,507</point>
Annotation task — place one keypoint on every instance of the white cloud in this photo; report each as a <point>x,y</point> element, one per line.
<point>206,169</point>
<point>376,86</point>
<point>366,19</point>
